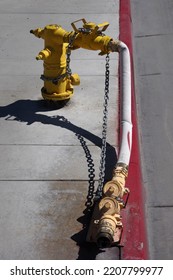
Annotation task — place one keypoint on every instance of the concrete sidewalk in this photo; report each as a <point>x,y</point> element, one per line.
<point>47,156</point>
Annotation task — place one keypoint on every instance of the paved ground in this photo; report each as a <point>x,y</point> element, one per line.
<point>153,47</point>
<point>44,166</point>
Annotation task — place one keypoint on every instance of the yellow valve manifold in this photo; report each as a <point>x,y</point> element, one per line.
<point>58,81</point>
<point>106,226</point>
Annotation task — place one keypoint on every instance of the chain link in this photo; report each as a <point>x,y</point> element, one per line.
<point>56,80</point>
<point>104,131</point>
<point>68,53</point>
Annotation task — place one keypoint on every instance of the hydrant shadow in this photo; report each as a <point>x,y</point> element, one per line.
<point>27,111</point>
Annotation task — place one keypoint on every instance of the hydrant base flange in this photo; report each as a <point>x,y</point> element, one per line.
<point>57,96</point>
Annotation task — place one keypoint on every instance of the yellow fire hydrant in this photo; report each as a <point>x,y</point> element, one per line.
<point>58,43</point>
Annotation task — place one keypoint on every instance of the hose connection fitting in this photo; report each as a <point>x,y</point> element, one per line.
<point>106,225</point>
<point>109,221</point>
<point>116,187</point>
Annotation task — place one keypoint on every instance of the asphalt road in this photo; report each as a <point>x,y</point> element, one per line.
<point>153,60</point>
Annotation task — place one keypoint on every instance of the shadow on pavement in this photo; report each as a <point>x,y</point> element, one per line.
<point>27,111</point>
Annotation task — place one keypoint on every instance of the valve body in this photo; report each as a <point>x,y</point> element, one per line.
<point>106,226</point>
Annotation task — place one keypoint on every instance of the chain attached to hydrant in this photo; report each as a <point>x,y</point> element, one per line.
<point>58,43</point>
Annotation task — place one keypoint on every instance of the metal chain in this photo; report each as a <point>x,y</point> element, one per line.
<point>71,40</point>
<point>56,80</point>
<point>105,116</point>
<point>104,132</point>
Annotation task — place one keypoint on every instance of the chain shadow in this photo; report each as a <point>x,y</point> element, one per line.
<point>27,111</point>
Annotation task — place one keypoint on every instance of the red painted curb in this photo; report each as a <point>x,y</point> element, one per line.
<point>134,236</point>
